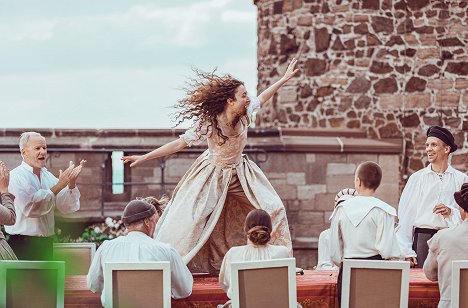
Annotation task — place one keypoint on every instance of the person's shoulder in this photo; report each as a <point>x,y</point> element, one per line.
<point>416,175</point>
<point>458,172</point>
<point>18,171</point>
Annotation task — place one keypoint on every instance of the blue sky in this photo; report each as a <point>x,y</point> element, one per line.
<point>115,63</point>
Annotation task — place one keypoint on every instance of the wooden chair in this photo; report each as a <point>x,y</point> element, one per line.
<point>459,296</point>
<point>370,283</point>
<point>77,256</point>
<point>146,284</point>
<point>32,284</point>
<point>264,284</point>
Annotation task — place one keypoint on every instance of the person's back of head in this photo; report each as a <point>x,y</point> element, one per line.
<point>368,176</point>
<point>139,215</point>
<point>258,227</point>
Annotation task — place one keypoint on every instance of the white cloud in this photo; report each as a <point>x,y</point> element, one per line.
<point>237,16</point>
<point>36,30</point>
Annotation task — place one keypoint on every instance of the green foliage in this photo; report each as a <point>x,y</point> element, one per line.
<point>96,233</point>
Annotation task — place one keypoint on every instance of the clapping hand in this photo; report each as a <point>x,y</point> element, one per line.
<point>75,173</point>
<point>4,178</point>
<point>64,176</point>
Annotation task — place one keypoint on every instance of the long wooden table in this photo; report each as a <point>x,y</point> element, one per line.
<point>314,289</point>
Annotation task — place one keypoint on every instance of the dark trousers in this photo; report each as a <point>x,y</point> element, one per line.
<point>421,236</point>
<point>339,284</point>
<point>33,248</point>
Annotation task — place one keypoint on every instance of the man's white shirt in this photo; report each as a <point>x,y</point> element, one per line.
<point>423,191</point>
<point>35,202</point>
<point>363,227</point>
<point>139,247</point>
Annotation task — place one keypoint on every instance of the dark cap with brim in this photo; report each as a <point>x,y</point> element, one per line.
<point>137,210</point>
<point>444,135</point>
<point>461,197</point>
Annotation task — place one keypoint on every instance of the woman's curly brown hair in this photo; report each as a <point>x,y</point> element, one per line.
<point>207,95</point>
<point>159,204</point>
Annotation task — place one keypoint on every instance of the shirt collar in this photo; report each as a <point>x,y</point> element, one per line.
<point>428,169</point>
<point>137,234</point>
<point>29,168</point>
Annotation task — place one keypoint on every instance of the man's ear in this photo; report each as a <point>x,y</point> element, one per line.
<point>447,149</point>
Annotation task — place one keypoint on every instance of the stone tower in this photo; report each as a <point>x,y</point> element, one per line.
<point>391,68</point>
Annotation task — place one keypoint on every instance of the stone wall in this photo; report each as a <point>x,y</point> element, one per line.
<point>391,68</point>
<point>307,168</point>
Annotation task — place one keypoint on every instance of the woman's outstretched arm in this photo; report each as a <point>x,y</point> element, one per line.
<point>167,149</point>
<point>265,96</point>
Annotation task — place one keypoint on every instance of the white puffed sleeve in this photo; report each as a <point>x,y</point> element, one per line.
<point>254,106</point>
<point>194,137</point>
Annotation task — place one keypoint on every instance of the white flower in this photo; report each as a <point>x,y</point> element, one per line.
<point>109,222</point>
<point>97,230</point>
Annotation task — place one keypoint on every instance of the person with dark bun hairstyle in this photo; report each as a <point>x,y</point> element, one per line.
<point>258,230</point>
<point>426,203</point>
<point>205,214</point>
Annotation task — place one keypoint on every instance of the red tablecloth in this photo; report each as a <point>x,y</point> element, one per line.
<point>315,289</point>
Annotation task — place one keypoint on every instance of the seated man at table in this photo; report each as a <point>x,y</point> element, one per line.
<point>448,245</point>
<point>363,227</point>
<point>140,218</point>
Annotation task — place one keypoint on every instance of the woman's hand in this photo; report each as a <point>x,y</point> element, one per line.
<point>133,160</point>
<point>4,178</point>
<point>291,71</point>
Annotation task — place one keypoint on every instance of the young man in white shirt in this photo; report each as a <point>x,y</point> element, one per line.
<point>363,227</point>
<point>140,218</point>
<point>427,204</point>
<point>37,192</point>
<point>444,247</point>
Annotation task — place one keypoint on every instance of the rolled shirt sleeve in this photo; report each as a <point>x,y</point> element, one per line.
<point>68,200</point>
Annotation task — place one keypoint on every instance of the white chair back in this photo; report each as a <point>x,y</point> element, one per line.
<point>264,284</point>
<point>372,283</point>
<point>77,256</point>
<point>459,296</point>
<point>145,284</point>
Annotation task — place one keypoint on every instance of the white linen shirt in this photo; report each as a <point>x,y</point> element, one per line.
<point>363,227</point>
<point>421,194</point>
<point>249,252</point>
<point>139,247</point>
<point>324,262</point>
<point>35,202</point>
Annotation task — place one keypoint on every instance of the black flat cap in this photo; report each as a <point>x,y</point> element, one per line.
<point>444,135</point>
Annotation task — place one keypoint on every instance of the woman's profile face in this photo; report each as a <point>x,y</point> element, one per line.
<point>241,102</point>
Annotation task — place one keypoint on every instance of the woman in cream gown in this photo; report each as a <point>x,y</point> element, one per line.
<point>206,214</point>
